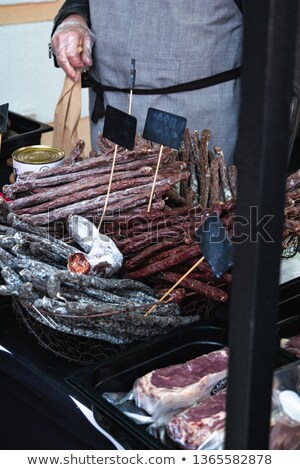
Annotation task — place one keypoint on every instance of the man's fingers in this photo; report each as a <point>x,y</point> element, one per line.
<point>86,55</point>
<point>68,56</point>
<point>65,64</point>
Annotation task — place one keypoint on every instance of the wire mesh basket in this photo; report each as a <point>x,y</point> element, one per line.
<point>82,341</point>
<point>81,349</point>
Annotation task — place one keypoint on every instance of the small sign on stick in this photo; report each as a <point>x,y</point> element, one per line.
<point>119,127</point>
<point>165,129</point>
<point>215,245</point>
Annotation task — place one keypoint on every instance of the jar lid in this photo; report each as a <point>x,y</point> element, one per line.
<point>38,154</point>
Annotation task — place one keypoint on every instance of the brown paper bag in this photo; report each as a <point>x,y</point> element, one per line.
<point>67,116</point>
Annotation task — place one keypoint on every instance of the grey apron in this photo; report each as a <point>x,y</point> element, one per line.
<point>173,42</point>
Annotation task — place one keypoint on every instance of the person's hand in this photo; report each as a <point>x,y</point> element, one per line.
<point>72,45</point>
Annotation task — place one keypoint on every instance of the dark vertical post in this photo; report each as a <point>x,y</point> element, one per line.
<point>262,155</point>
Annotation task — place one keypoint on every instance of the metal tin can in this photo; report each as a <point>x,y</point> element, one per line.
<point>36,158</point>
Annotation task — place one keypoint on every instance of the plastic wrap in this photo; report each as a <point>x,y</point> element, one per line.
<point>101,257</point>
<point>72,45</point>
<point>151,430</point>
<point>202,426</point>
<point>285,418</point>
<point>166,390</point>
<point>205,431</point>
<point>125,403</point>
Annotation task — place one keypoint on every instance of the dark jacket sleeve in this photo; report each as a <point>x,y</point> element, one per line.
<point>71,7</point>
<point>239,4</point>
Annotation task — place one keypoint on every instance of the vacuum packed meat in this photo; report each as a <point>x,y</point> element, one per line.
<point>191,428</point>
<point>178,386</point>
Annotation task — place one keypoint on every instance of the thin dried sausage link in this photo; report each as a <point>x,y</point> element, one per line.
<point>204,168</point>
<point>232,174</point>
<point>75,154</point>
<point>189,252</point>
<point>223,174</point>
<point>146,253</point>
<point>74,187</point>
<point>205,290</point>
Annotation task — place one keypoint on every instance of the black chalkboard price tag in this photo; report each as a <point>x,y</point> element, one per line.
<point>165,129</point>
<point>119,127</point>
<point>215,245</point>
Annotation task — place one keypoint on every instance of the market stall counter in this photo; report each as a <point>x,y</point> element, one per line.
<point>47,401</point>
<point>37,411</point>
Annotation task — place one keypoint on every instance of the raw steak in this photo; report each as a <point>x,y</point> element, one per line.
<point>191,428</point>
<point>180,386</point>
<point>291,344</point>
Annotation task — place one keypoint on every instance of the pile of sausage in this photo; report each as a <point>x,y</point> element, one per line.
<point>80,188</point>
<point>33,269</point>
<point>158,245</point>
<point>160,250</point>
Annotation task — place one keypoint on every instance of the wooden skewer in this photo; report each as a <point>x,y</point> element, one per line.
<point>130,101</point>
<point>109,186</point>
<point>173,287</point>
<point>155,177</point>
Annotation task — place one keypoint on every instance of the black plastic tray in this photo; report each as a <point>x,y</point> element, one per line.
<point>288,304</point>
<point>289,299</point>
<point>118,374</point>
<point>289,313</point>
<point>290,326</point>
<point>28,132</point>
